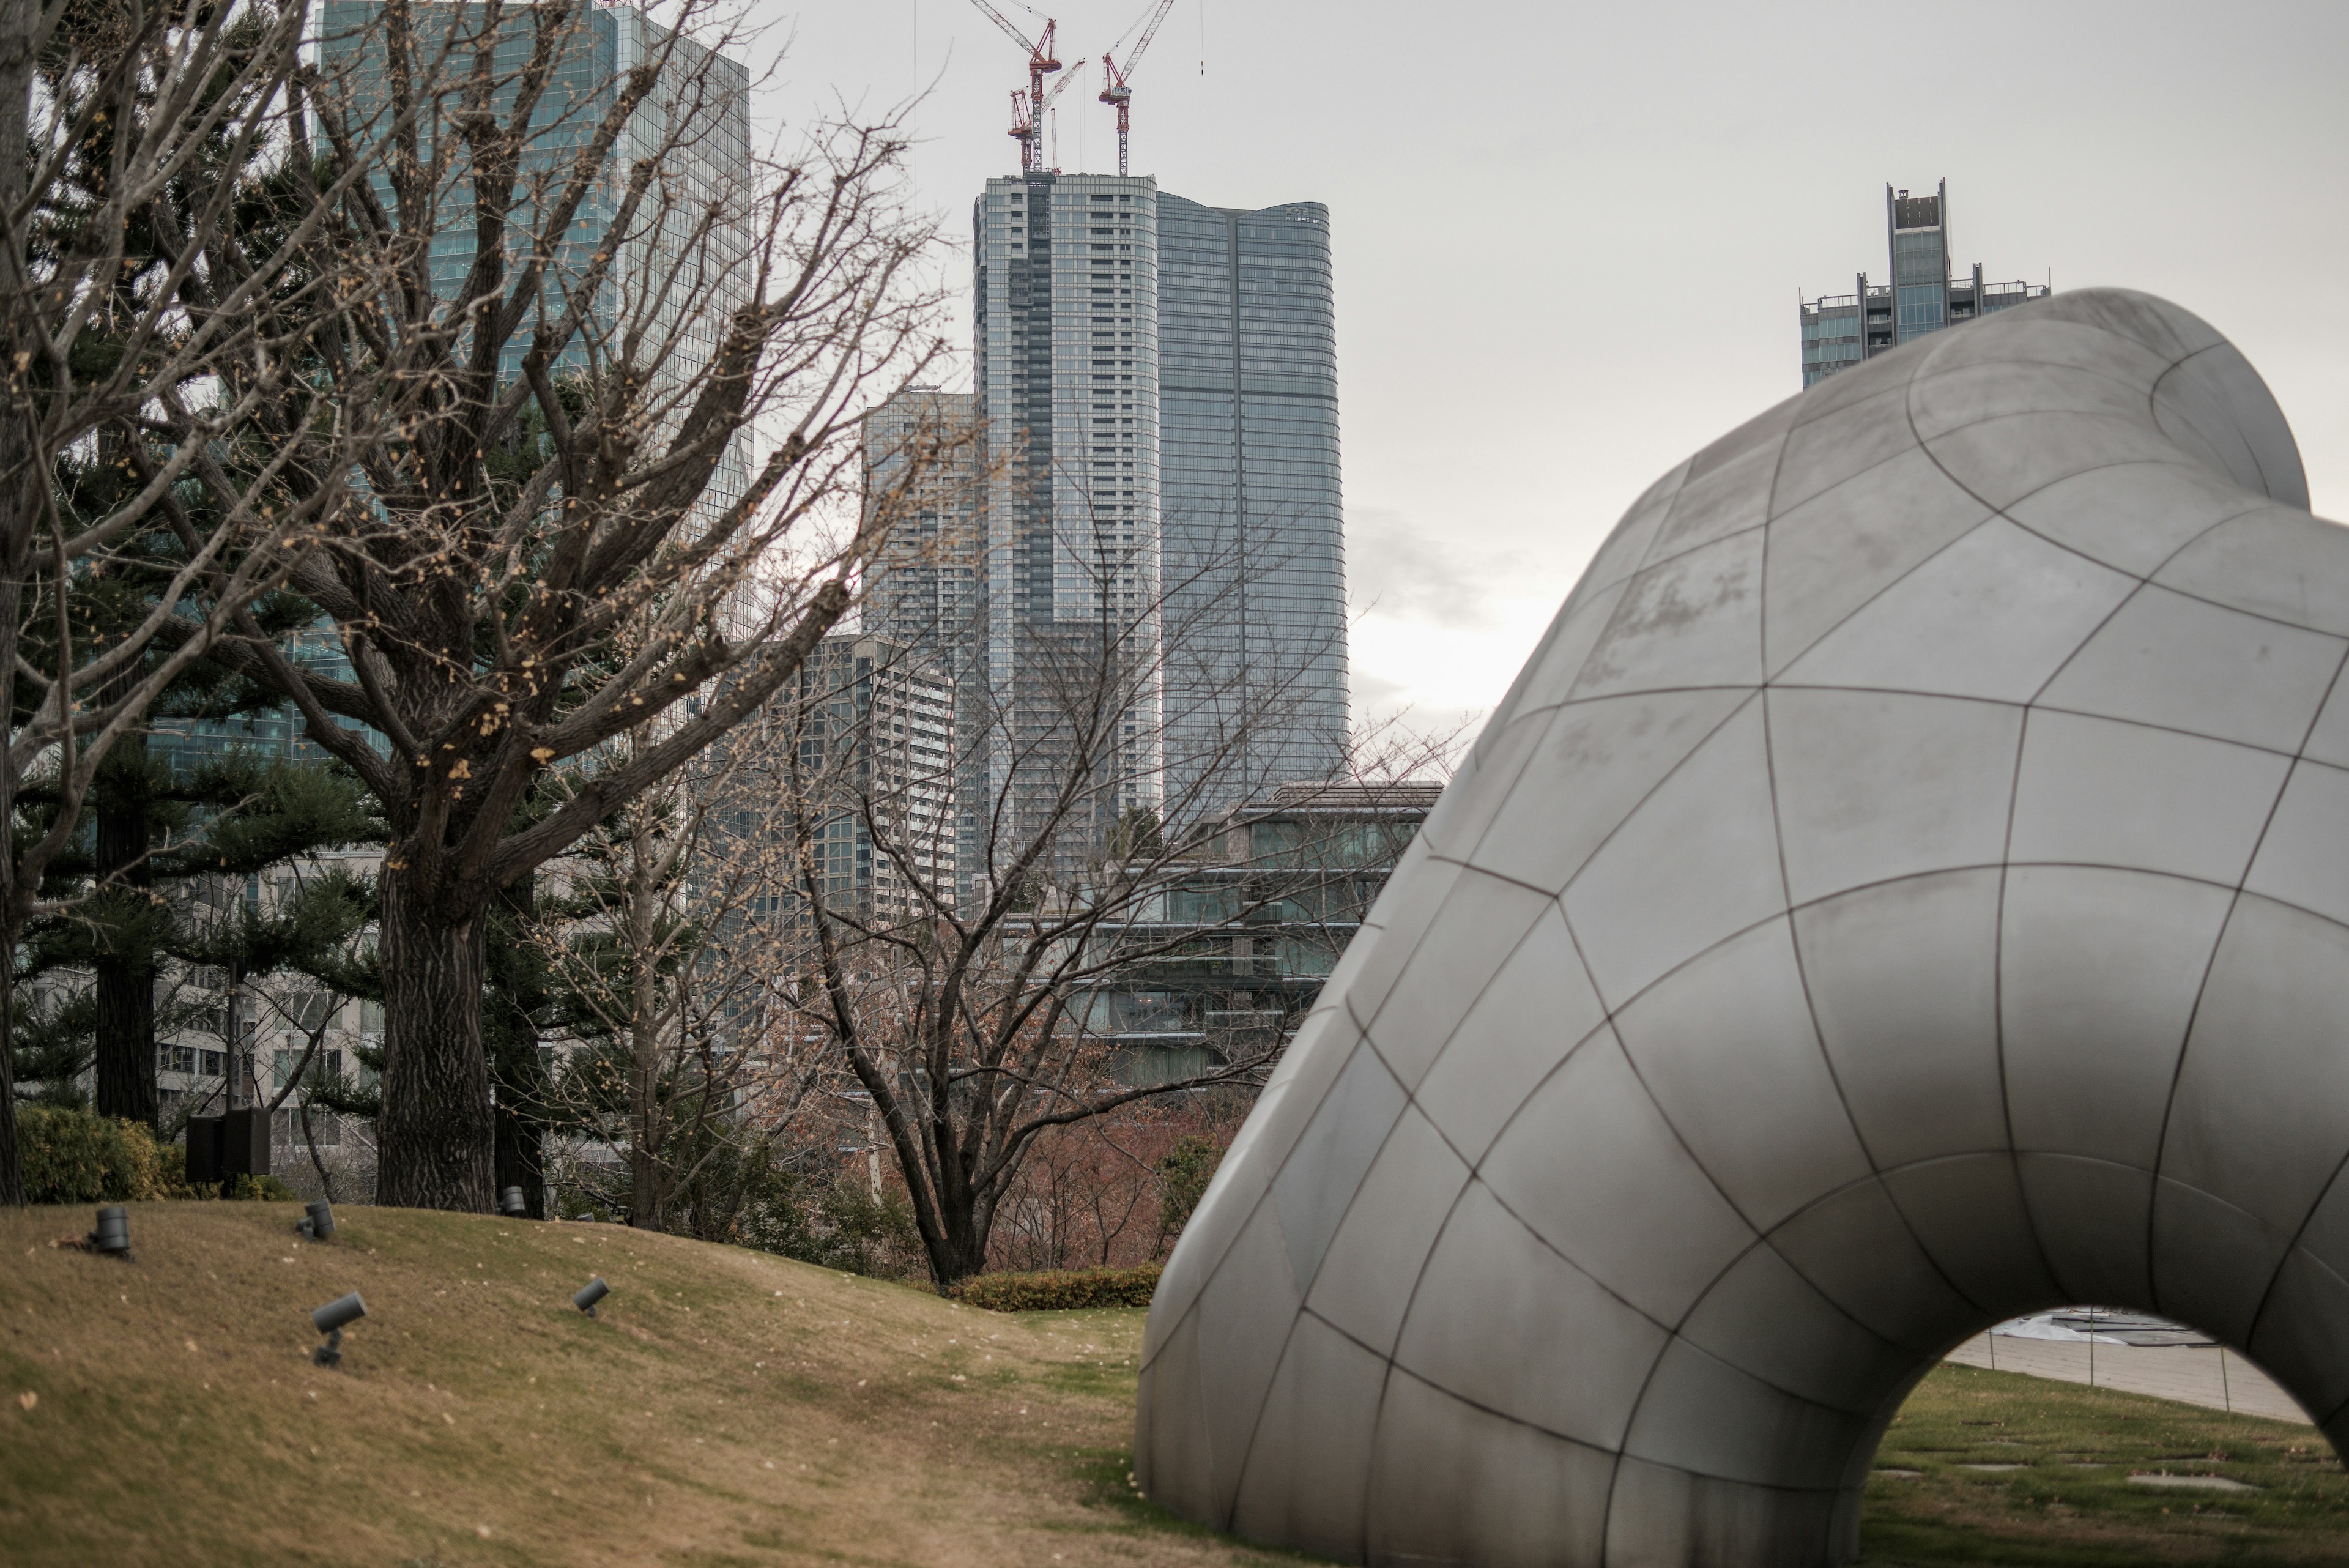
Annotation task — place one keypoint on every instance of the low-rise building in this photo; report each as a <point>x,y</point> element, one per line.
<point>1231,952</point>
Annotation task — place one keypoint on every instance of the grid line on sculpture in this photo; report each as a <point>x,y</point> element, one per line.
<point>1766,921</point>
<point>2054,675</point>
<point>1761,1237</point>
<point>2267,1292</point>
<point>1393,1365</point>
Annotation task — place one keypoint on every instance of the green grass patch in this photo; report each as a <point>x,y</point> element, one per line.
<point>2068,1502</point>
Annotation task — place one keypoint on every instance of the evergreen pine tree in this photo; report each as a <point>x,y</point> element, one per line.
<point>251,819</point>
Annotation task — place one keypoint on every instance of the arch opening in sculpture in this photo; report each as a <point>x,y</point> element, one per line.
<point>2118,1349</point>
<point>1908,888</point>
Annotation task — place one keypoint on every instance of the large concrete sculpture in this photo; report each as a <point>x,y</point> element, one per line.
<point>1909,886</point>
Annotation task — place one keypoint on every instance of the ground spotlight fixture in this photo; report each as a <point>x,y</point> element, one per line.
<point>112,1236</point>
<point>330,1320</point>
<point>510,1202</point>
<point>318,1223</point>
<point>588,1295</point>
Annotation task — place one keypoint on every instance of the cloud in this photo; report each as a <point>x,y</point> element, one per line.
<point>1397,568</point>
<point>1392,718</point>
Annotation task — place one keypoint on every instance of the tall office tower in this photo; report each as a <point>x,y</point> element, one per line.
<point>1065,310</point>
<point>1841,330</point>
<point>873,720</point>
<point>1252,519</point>
<point>923,589</point>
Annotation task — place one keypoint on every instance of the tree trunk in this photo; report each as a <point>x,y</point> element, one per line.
<point>518,988</point>
<point>125,966</point>
<point>964,1218</point>
<point>12,1184</point>
<point>19,503</point>
<point>648,1118</point>
<point>126,1037</point>
<point>436,1131</point>
<point>645,1205</point>
<point>960,1254</point>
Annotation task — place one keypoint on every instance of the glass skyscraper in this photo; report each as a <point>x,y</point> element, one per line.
<point>1838,331</point>
<point>670,280</point>
<point>1252,519</point>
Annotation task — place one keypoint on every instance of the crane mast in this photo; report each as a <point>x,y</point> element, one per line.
<point>1028,118</point>
<point>1114,92</point>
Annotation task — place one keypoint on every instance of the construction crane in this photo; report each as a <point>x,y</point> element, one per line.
<point>1114,92</point>
<point>1027,118</point>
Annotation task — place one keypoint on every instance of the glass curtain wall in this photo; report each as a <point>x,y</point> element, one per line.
<point>1253,518</point>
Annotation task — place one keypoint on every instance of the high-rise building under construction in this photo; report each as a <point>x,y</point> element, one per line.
<point>1065,315</point>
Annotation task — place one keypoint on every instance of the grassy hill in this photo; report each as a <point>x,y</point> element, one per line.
<point>727,1407</point>
<point>734,1408</point>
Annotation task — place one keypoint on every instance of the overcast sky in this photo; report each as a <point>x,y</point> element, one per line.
<point>1570,238</point>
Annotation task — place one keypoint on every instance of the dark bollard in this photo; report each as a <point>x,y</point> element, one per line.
<point>112,1236</point>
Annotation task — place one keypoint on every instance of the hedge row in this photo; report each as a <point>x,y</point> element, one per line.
<point>1059,1289</point>
<point>69,1156</point>
<point>75,1156</point>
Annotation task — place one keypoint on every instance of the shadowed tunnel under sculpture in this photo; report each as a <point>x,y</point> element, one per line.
<point>1909,886</point>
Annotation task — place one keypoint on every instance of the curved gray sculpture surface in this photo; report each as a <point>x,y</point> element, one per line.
<point>1908,886</point>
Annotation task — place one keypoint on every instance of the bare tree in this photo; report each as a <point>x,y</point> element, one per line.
<point>569,543</point>
<point>971,1019</point>
<point>663,966</point>
<point>157,208</point>
<point>1083,1196</point>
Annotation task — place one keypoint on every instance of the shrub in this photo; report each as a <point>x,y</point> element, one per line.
<point>170,1167</point>
<point>838,1225</point>
<point>1061,1290</point>
<point>258,1190</point>
<point>1183,1173</point>
<point>80,1157</point>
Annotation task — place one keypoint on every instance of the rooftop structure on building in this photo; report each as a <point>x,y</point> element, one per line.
<point>1924,295</point>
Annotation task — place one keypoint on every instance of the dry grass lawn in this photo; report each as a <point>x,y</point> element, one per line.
<point>728,1407</point>
<point>734,1408</point>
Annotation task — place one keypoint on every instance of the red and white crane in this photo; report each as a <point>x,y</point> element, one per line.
<point>1028,121</point>
<point>1028,118</point>
<point>1114,92</point>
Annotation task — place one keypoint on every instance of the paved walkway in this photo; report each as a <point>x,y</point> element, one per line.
<point>2205,1374</point>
